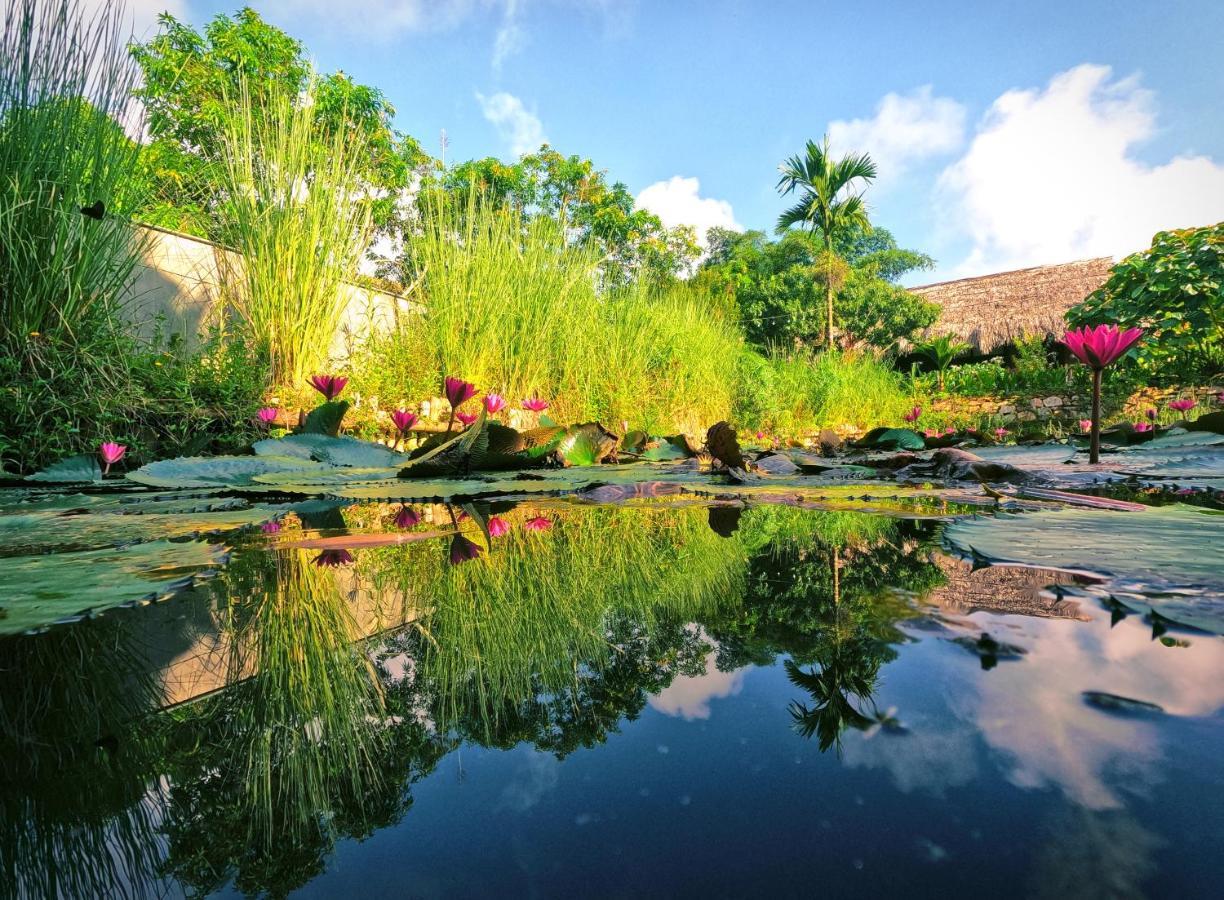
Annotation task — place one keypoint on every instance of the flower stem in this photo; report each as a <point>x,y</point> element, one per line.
<point>1094,450</point>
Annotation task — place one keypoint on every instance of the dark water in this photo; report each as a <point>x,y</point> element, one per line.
<point>650,701</point>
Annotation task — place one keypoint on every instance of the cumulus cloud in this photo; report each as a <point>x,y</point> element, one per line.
<point>905,128</point>
<point>518,126</point>
<point>688,696</point>
<point>678,201</point>
<point>1051,175</point>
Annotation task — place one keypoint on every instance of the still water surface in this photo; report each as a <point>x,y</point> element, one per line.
<point>661,700</point>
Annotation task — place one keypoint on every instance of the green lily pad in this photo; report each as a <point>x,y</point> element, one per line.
<point>324,418</point>
<point>1028,455</point>
<point>586,445</point>
<point>324,477</point>
<point>335,451</point>
<point>892,439</point>
<point>43,589</point>
<point>215,471</point>
<point>1167,557</point>
<point>73,470</point>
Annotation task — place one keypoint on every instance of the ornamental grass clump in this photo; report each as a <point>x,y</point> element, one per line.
<point>1098,348</point>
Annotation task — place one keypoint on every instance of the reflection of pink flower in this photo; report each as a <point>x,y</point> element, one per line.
<point>494,403</point>
<point>406,517</point>
<point>498,527</point>
<point>466,418</point>
<point>330,559</point>
<point>329,386</point>
<point>1085,425</point>
<point>1143,426</point>
<point>403,420</point>
<point>913,414</point>
<point>458,391</point>
<point>535,404</point>
<point>462,550</point>
<point>270,527</point>
<point>539,523</point>
<point>267,414</point>
<point>1182,405</point>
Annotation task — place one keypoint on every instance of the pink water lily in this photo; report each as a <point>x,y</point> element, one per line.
<point>329,386</point>
<point>406,517</point>
<point>403,420</point>
<point>462,550</point>
<point>458,391</point>
<point>110,453</point>
<point>949,430</point>
<point>268,414</point>
<point>913,414</point>
<point>1097,348</point>
<point>999,432</point>
<point>494,403</point>
<point>466,418</point>
<point>535,404</point>
<point>1151,414</point>
<point>498,527</point>
<point>1085,425</point>
<point>1143,426</point>
<point>1182,405</point>
<point>330,559</point>
<point>538,523</point>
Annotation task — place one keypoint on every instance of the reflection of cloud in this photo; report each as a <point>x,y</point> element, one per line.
<point>1034,711</point>
<point>930,758</point>
<point>1093,854</point>
<point>689,696</point>
<point>537,777</point>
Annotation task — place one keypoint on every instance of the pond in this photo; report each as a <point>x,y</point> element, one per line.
<point>664,696</point>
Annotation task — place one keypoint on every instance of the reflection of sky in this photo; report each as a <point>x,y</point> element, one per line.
<point>689,696</point>
<point>1032,710</point>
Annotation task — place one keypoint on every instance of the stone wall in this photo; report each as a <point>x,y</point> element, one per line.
<point>1069,409</point>
<point>178,284</point>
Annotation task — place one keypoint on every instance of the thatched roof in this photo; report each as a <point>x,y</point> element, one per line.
<point>1001,589</point>
<point>991,310</point>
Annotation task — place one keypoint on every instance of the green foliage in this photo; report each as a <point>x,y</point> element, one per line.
<point>1175,292</point>
<point>774,287</point>
<point>296,212</point>
<point>191,81</point>
<point>939,352</point>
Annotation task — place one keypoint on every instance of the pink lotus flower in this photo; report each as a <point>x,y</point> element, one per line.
<point>330,559</point>
<point>538,523</point>
<point>329,386</point>
<point>1143,426</point>
<point>999,432</point>
<point>1151,414</point>
<point>466,418</point>
<point>1099,347</point>
<point>949,430</point>
<point>913,414</point>
<point>498,527</point>
<point>1182,405</point>
<point>760,435</point>
<point>403,420</point>
<point>1085,425</point>
<point>458,391</point>
<point>462,550</point>
<point>270,527</point>
<point>535,404</point>
<point>406,517</point>
<point>268,414</point>
<point>494,403</point>
<point>110,454</point>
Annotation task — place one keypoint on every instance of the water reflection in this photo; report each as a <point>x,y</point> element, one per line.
<point>307,689</point>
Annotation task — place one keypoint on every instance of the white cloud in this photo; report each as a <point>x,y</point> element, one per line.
<point>904,129</point>
<point>510,38</point>
<point>518,126</point>
<point>678,201</point>
<point>1051,176</point>
<point>140,16</point>
<point>688,696</point>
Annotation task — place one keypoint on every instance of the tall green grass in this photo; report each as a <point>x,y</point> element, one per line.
<point>513,307</point>
<point>299,215</point>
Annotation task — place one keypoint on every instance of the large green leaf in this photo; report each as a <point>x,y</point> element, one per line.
<point>1164,558</point>
<point>216,471</point>
<point>585,445</point>
<point>73,470</point>
<point>892,439</point>
<point>324,418</point>
<point>324,477</point>
<point>39,590</point>
<point>335,451</point>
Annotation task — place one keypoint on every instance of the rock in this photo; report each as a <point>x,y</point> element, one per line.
<point>1007,409</point>
<point>952,464</point>
<point>1026,417</point>
<point>1052,402</point>
<point>830,442</point>
<point>776,464</point>
<point>1036,403</point>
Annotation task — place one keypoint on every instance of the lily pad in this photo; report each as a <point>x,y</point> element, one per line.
<point>892,439</point>
<point>324,418</point>
<point>335,451</point>
<point>44,589</point>
<point>73,470</point>
<point>586,444</point>
<point>215,471</point>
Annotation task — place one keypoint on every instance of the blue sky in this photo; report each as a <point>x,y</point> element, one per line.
<point>1008,134</point>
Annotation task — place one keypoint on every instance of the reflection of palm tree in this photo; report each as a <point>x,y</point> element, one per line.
<point>845,675</point>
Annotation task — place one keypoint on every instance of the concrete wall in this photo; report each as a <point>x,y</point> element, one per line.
<point>179,281</point>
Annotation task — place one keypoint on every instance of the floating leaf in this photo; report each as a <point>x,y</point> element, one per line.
<point>324,418</point>
<point>586,444</point>
<point>892,439</point>
<point>336,451</point>
<point>215,471</point>
<point>73,470</point>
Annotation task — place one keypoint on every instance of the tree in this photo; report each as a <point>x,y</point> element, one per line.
<point>826,204</point>
<point>1174,291</point>
<point>192,82</point>
<point>773,287</point>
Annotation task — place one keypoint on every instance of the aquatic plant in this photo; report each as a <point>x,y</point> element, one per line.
<point>497,527</point>
<point>465,418</point>
<point>1182,405</point>
<point>1085,425</point>
<point>538,523</point>
<point>463,550</point>
<point>913,414</point>
<point>535,404</point>
<point>329,386</point>
<point>406,517</point>
<point>1097,348</point>
<point>267,414</point>
<point>110,453</point>
<point>494,403</point>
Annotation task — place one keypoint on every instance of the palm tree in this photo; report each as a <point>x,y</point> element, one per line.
<point>827,202</point>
